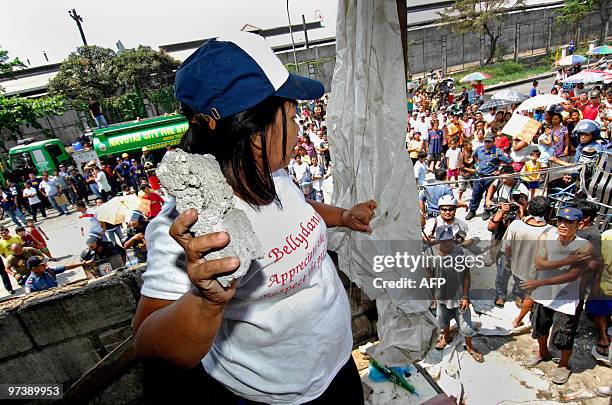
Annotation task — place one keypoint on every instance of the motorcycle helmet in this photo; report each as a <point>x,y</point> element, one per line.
<point>587,127</point>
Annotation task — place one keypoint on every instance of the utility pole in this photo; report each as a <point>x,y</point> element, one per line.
<point>297,68</point>
<point>77,18</point>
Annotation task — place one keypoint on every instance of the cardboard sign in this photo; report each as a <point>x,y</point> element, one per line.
<point>521,127</point>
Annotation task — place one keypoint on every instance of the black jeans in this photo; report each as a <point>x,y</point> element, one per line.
<point>5,277</point>
<point>36,207</point>
<point>164,386</point>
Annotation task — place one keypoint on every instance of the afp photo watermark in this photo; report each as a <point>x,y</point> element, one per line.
<point>416,267</point>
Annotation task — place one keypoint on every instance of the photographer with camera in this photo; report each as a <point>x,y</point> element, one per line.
<point>448,209</point>
<point>487,158</point>
<point>507,199</point>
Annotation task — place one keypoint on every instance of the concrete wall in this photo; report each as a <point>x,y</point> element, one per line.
<point>436,46</point>
<point>55,336</point>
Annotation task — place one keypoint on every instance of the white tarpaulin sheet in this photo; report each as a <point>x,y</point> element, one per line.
<point>366,119</point>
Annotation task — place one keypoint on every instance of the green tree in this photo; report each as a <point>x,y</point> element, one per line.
<point>16,111</point>
<point>7,66</point>
<point>143,69</point>
<point>574,11</point>
<point>484,17</point>
<point>85,73</point>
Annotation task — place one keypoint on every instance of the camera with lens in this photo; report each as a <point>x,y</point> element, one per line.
<point>459,237</point>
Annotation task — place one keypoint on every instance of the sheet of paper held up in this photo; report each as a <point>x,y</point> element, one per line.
<point>522,127</point>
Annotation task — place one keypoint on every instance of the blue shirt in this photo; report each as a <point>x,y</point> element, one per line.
<point>45,281</point>
<point>435,142</point>
<point>431,194</point>
<point>533,92</point>
<point>580,147</point>
<point>489,161</point>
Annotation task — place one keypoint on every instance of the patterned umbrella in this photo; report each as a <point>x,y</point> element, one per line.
<point>588,76</point>
<point>496,104</point>
<point>601,50</point>
<point>474,77</point>
<point>571,60</point>
<point>510,95</point>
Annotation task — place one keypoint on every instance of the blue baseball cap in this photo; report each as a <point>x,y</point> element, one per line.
<point>570,214</point>
<point>233,73</point>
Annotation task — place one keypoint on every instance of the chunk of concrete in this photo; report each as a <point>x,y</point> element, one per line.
<point>196,181</point>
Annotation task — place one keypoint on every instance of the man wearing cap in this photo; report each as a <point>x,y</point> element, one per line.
<point>87,219</point>
<point>146,156</point>
<point>447,205</point>
<point>561,258</point>
<point>135,236</point>
<point>590,110</point>
<point>450,263</point>
<point>42,277</point>
<point>123,168</point>
<point>16,262</point>
<point>488,159</point>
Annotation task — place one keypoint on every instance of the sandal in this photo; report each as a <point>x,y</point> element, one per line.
<point>499,302</point>
<point>442,343</point>
<point>602,350</point>
<point>535,359</point>
<point>561,375</point>
<point>475,355</point>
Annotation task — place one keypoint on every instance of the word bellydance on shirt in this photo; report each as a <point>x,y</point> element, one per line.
<point>296,276</point>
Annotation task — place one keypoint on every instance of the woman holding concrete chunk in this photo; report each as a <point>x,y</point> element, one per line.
<point>281,333</point>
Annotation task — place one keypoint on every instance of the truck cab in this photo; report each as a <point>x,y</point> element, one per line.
<point>37,157</point>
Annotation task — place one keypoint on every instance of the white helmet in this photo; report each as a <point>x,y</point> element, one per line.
<point>447,200</point>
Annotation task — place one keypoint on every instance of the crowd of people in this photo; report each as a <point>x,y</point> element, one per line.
<point>556,254</point>
<point>311,160</point>
<point>70,188</point>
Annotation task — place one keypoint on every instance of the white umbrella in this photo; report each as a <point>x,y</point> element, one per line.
<point>510,95</point>
<point>589,76</point>
<point>543,100</point>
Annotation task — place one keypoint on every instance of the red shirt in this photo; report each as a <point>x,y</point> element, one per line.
<point>501,142</point>
<point>154,182</point>
<point>479,89</point>
<point>156,204</point>
<point>590,113</point>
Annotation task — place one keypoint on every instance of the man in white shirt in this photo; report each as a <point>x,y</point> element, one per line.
<point>560,260</point>
<point>50,188</point>
<point>102,182</point>
<point>318,173</point>
<point>87,220</point>
<point>422,124</point>
<point>299,169</point>
<point>490,116</point>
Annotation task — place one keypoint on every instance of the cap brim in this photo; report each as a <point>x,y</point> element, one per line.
<point>300,88</point>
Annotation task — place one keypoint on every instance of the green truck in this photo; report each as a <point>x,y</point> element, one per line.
<point>129,137</point>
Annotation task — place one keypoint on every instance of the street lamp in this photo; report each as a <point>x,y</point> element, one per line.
<point>297,68</point>
<point>77,18</point>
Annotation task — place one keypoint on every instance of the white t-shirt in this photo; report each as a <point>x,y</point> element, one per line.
<point>560,297</point>
<point>523,239</point>
<point>287,331</point>
<point>453,158</point>
<point>299,170</point>
<point>50,187</point>
<point>102,182</point>
<point>90,223</point>
<point>317,171</point>
<point>420,172</point>
<point>30,194</point>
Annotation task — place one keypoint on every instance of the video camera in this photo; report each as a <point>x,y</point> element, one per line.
<point>512,214</point>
